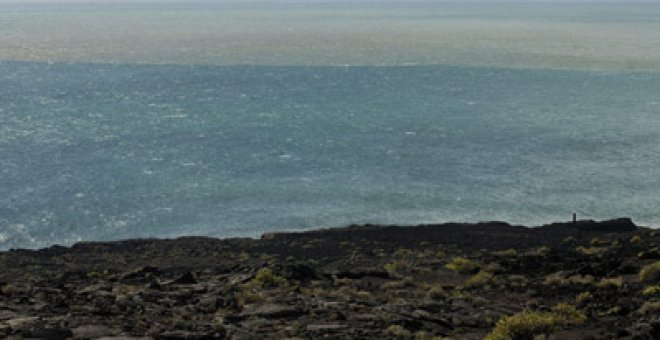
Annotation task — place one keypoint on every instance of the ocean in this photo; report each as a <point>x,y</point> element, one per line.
<point>232,120</point>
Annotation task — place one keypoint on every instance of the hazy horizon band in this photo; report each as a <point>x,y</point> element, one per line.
<point>578,36</point>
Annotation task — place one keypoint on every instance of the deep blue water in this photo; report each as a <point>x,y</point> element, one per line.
<point>101,152</point>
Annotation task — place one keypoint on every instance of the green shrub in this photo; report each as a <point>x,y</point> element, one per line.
<point>527,324</point>
<point>568,314</point>
<point>266,278</point>
<point>650,273</point>
<point>462,265</point>
<point>651,290</point>
<point>395,268</point>
<point>481,278</point>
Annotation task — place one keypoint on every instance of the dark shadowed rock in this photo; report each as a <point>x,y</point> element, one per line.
<point>300,272</point>
<point>324,328</point>
<point>360,273</point>
<point>141,275</point>
<point>186,279</point>
<point>54,333</point>
<point>613,226</point>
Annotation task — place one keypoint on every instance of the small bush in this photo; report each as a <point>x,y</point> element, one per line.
<point>395,268</point>
<point>651,290</point>
<point>462,265</point>
<point>635,239</point>
<point>507,252</point>
<point>527,324</point>
<point>583,297</point>
<point>266,278</point>
<point>591,251</point>
<point>605,282</point>
<point>559,280</point>
<point>569,314</point>
<point>481,278</point>
<point>650,273</point>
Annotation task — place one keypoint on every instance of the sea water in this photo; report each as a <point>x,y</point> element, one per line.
<point>228,120</point>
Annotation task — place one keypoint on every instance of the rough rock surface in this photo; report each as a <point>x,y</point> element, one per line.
<point>355,282</point>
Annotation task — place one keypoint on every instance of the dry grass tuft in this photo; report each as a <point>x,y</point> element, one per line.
<point>528,324</point>
<point>462,265</point>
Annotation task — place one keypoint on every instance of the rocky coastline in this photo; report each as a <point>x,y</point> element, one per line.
<point>575,280</point>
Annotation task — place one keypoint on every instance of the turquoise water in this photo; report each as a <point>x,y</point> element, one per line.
<point>102,151</point>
